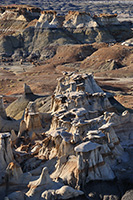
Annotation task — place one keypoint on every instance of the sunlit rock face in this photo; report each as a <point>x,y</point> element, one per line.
<point>48,19</point>
<point>47,16</point>
<point>75,19</point>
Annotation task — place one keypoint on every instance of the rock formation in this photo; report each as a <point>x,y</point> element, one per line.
<point>75,19</point>
<point>23,28</point>
<point>107,19</point>
<point>81,145</point>
<point>6,123</point>
<point>77,107</point>
<point>32,117</point>
<point>16,109</point>
<point>6,155</point>
<point>108,58</point>
<point>65,192</point>
<point>48,19</point>
<point>22,12</point>
<point>47,189</point>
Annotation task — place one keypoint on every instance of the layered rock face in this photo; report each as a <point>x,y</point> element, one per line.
<point>28,31</point>
<point>75,19</point>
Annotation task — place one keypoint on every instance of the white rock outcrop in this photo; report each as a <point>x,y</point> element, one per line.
<point>48,19</point>
<point>75,19</point>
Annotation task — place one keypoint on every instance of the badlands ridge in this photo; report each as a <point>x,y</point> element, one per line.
<point>26,32</point>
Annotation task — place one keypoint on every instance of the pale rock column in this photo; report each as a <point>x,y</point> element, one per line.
<point>6,155</point>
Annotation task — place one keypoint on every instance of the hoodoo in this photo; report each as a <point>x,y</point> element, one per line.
<point>79,145</point>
